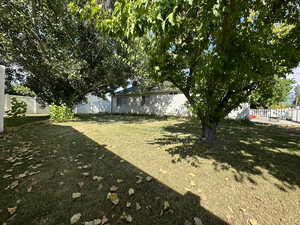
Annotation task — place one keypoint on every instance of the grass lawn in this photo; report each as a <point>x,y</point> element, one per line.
<point>251,177</point>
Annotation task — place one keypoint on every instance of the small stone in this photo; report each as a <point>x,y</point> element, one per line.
<point>86,174</point>
<point>61,183</point>
<point>75,218</point>
<point>113,188</point>
<point>19,201</point>
<point>198,221</point>
<point>131,191</point>
<point>128,204</point>
<point>76,195</point>
<point>80,184</point>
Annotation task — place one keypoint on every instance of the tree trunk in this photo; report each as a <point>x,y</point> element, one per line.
<point>209,132</point>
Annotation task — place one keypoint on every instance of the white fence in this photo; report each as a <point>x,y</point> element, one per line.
<point>33,107</point>
<point>285,114</point>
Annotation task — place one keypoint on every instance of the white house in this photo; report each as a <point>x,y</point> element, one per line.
<point>160,102</point>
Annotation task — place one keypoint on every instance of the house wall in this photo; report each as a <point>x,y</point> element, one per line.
<point>166,104</point>
<point>93,105</point>
<point>158,104</point>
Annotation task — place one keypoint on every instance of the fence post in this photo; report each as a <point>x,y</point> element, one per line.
<point>2,79</point>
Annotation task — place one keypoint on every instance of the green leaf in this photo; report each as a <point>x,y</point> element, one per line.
<point>171,18</point>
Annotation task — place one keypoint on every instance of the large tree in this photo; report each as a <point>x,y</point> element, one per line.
<point>63,56</point>
<point>215,51</point>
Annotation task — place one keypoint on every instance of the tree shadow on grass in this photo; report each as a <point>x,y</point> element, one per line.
<point>124,118</point>
<point>247,149</point>
<point>64,153</point>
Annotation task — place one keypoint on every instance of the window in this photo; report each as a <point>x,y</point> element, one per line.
<point>145,100</point>
<point>122,101</point>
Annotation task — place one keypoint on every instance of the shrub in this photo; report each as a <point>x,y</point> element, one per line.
<point>18,108</point>
<point>60,113</point>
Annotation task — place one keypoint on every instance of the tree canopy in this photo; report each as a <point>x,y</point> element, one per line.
<point>216,52</point>
<point>63,56</point>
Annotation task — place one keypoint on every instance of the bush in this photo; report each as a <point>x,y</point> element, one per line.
<point>18,108</point>
<point>60,113</point>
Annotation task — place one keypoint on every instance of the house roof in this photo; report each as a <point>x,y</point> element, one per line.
<point>138,90</point>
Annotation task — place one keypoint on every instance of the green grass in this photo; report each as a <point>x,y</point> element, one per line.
<point>253,173</point>
<point>15,122</point>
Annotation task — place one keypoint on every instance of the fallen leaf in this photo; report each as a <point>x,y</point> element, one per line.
<point>80,184</point>
<point>253,222</point>
<point>138,206</point>
<point>162,171</point>
<point>148,178</point>
<point>166,205</point>
<point>29,189</point>
<point>140,179</point>
<point>93,222</point>
<point>14,184</point>
<point>22,175</point>
<point>113,197</point>
<point>192,174</point>
<point>76,195</point>
<point>12,210</point>
<point>113,188</point>
<point>198,221</point>
<point>120,181</point>
<point>192,183</point>
<point>104,220</point>
<point>18,163</point>
<point>6,176</point>
<point>97,178</point>
<point>131,191</point>
<point>129,218</point>
<point>75,218</point>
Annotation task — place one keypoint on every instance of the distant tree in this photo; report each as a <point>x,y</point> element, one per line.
<point>216,52</point>
<point>64,57</point>
<point>272,93</point>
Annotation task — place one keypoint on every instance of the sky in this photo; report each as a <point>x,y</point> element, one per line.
<point>296,74</point>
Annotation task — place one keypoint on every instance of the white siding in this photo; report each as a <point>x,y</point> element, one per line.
<point>158,104</point>
<point>165,104</point>
<point>93,105</point>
